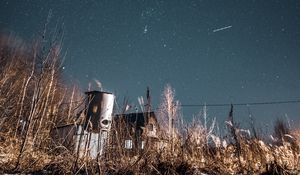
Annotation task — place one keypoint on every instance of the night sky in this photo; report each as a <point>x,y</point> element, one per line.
<point>210,51</point>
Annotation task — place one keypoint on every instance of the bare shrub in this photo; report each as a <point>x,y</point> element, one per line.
<point>32,100</point>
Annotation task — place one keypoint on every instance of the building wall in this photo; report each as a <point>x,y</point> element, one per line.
<point>89,144</point>
<point>64,135</point>
<point>132,135</point>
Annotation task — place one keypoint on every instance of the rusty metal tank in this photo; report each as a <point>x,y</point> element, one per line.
<point>99,108</point>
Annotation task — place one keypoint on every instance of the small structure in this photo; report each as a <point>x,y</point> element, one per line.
<point>89,135</point>
<point>137,130</point>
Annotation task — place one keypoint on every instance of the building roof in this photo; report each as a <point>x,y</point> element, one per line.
<point>139,119</point>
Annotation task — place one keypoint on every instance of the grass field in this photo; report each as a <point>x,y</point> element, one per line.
<point>34,99</point>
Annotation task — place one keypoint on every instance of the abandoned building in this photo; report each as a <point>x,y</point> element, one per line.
<point>89,135</point>
<point>137,130</point>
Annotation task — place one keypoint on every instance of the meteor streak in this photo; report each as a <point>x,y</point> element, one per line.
<point>223,28</point>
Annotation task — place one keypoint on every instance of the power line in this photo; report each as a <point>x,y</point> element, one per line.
<point>242,104</point>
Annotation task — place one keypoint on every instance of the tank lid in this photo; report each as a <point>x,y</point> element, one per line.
<point>97,92</point>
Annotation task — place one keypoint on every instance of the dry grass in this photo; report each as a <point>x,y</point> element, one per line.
<point>33,100</point>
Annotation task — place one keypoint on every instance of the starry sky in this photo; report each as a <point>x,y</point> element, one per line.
<point>210,51</point>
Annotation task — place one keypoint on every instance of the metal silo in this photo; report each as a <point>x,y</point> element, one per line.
<point>92,136</point>
<point>99,107</point>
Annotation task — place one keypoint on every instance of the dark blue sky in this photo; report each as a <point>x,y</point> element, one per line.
<point>129,45</point>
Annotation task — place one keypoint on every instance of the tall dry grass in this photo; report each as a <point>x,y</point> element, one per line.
<point>34,100</point>
<point>200,150</point>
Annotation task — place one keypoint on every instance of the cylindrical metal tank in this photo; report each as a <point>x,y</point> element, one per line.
<point>99,108</point>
